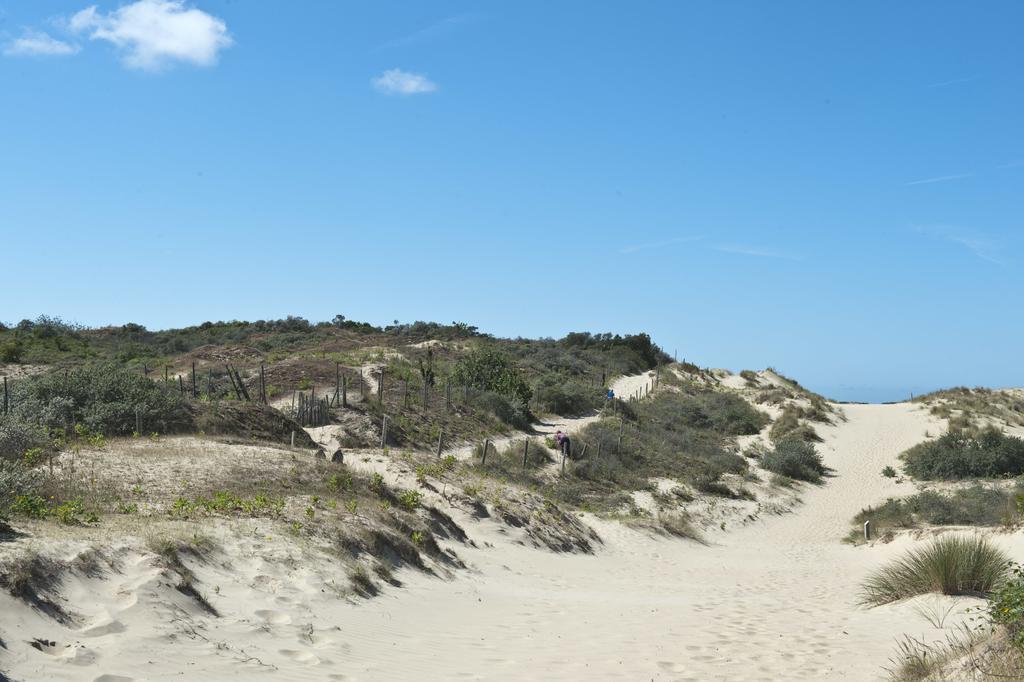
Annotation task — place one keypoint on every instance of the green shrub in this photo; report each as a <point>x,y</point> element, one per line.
<point>487,369</point>
<point>102,398</point>
<point>889,472</point>
<point>507,411</point>
<point>1006,605</point>
<point>16,482</point>
<point>789,426</point>
<point>409,499</point>
<point>961,454</point>
<point>950,564</point>
<point>566,397</point>
<point>974,506</point>
<point>795,459</point>
<point>18,437</point>
<point>32,506</point>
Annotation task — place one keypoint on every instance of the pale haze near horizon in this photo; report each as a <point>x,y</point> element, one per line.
<point>834,191</point>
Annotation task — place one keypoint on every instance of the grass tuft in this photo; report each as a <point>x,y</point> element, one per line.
<point>951,564</point>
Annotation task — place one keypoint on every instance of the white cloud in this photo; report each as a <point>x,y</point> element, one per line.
<point>38,44</point>
<point>975,242</point>
<point>941,178</point>
<point>755,251</point>
<point>942,84</point>
<point>153,34</point>
<point>398,82</point>
<point>656,245</point>
<point>432,32</point>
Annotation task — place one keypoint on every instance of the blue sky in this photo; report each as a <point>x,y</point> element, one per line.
<point>834,189</point>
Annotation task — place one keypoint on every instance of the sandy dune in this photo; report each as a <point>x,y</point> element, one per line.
<point>775,599</point>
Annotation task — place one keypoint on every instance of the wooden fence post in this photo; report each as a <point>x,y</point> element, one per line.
<point>384,433</point>
<point>380,387</point>
<point>344,390</point>
<point>6,399</point>
<point>483,459</point>
<point>263,384</point>
<point>867,530</point>
<point>181,386</point>
<point>194,389</point>
<point>600,447</point>
<point>293,439</point>
<point>440,439</point>
<point>526,450</point>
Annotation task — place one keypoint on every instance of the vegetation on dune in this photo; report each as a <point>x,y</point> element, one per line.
<point>104,398</point>
<point>978,505</point>
<point>656,442</point>
<point>790,426</point>
<point>949,564</point>
<point>961,454</point>
<point>795,459</point>
<point>964,404</point>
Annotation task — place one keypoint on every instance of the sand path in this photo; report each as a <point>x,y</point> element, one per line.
<point>773,600</point>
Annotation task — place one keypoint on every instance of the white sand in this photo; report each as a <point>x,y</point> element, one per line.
<point>773,600</point>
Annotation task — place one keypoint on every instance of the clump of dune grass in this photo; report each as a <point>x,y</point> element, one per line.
<point>951,564</point>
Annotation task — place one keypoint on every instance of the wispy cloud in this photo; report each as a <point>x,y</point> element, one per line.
<point>38,44</point>
<point>1013,163</point>
<point>398,82</point>
<point>755,251</point>
<point>434,31</point>
<point>941,178</point>
<point>955,81</point>
<point>978,244</point>
<point>153,34</point>
<point>656,245</point>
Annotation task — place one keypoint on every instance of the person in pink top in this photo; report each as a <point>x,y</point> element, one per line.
<point>564,444</point>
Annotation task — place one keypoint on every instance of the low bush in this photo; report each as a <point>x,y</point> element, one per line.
<point>566,397</point>
<point>723,413</point>
<point>790,426</point>
<point>1006,607</point>
<point>950,564</point>
<point>16,481</point>
<point>974,506</point>
<point>18,437</point>
<point>795,459</point>
<point>103,398</point>
<point>961,454</point>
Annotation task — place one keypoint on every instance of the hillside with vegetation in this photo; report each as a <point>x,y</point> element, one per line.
<point>255,473</point>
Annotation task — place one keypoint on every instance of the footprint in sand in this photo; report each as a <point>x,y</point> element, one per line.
<point>274,617</point>
<point>104,626</point>
<point>300,656</point>
<point>113,678</point>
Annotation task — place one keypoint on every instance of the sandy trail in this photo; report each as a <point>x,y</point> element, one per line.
<point>774,600</point>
